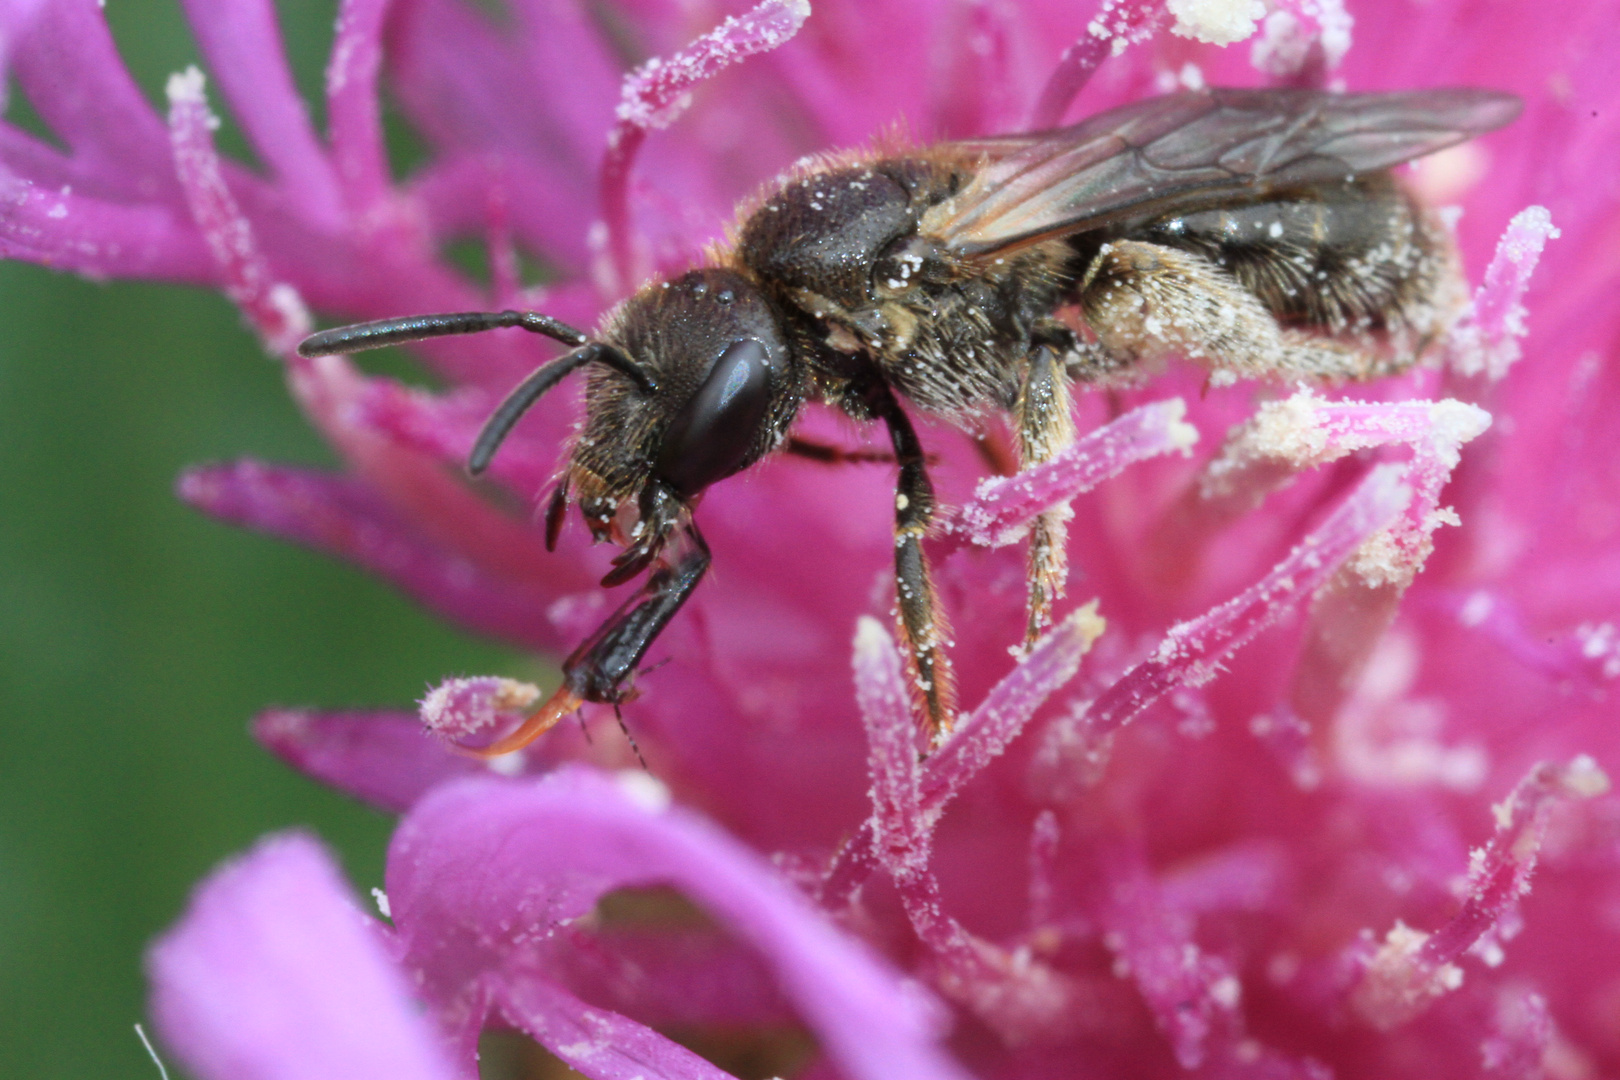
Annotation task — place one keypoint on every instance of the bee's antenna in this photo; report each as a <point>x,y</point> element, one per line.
<point>508,412</point>
<point>383,332</point>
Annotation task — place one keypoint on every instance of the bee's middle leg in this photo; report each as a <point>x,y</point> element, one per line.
<point>922,622</point>
<point>1147,301</point>
<point>1045,427</point>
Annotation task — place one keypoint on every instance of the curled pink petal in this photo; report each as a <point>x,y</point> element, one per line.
<point>657,92</point>
<point>1486,339</point>
<point>1413,968</point>
<point>273,974</point>
<point>478,868</point>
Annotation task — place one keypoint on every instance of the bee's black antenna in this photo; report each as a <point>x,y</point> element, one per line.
<point>508,412</point>
<point>383,332</point>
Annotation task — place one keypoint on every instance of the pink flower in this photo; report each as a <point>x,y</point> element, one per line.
<point>1268,807</point>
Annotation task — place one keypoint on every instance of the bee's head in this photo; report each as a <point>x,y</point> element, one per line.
<point>689,383</point>
<point>715,392</point>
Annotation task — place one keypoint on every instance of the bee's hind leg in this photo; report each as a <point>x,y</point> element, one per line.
<point>922,622</point>
<point>1045,427</point>
<point>1147,301</point>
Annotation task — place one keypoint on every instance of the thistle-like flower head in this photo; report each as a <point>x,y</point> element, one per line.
<point>1336,675</point>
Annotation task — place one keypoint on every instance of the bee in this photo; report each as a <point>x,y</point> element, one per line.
<point>1257,232</point>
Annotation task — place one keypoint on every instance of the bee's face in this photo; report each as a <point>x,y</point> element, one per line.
<point>725,392</point>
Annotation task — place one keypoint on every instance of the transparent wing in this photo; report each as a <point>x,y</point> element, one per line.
<point>1158,155</point>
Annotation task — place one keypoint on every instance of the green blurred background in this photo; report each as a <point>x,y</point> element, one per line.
<point>137,638</point>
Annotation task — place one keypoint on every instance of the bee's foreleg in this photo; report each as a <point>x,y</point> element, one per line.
<point>600,670</point>
<point>921,622</point>
<point>1147,301</point>
<point>1045,427</point>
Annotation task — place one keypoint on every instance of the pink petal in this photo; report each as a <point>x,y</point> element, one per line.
<point>352,108</point>
<point>1300,41</point>
<point>1002,507</point>
<point>1116,25</point>
<point>447,427</point>
<point>1412,968</point>
<point>100,239</point>
<point>241,45</point>
<point>272,306</point>
<point>494,108</point>
<point>980,739</point>
<point>382,758</point>
<point>1191,653</point>
<point>272,974</point>
<point>345,518</point>
<point>1486,340</point>
<point>601,1044</point>
<point>899,831</point>
<point>479,868</point>
<point>657,92</point>
<point>71,74</point>
<point>692,977</point>
<point>1193,995</point>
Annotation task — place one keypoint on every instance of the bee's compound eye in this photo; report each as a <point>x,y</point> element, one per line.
<point>718,431</point>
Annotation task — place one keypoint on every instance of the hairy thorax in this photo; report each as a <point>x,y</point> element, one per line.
<point>873,299</point>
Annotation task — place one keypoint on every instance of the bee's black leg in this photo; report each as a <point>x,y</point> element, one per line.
<point>1045,427</point>
<point>600,669</point>
<point>811,450</point>
<point>922,623</point>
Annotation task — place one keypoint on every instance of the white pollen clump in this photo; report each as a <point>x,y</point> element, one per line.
<point>1216,22</point>
<point>382,903</point>
<point>1398,985</point>
<point>644,789</point>
<point>460,707</point>
<point>1453,422</point>
<point>1585,779</point>
<point>1283,46</point>
<point>1290,430</point>
<point>1227,991</point>
<point>1181,435</point>
<point>186,87</point>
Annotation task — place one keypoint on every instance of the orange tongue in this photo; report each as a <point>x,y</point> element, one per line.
<point>559,705</point>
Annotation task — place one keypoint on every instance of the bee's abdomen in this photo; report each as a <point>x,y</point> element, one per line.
<point>1350,257</point>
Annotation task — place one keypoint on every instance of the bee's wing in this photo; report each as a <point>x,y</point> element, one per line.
<point>1193,148</point>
